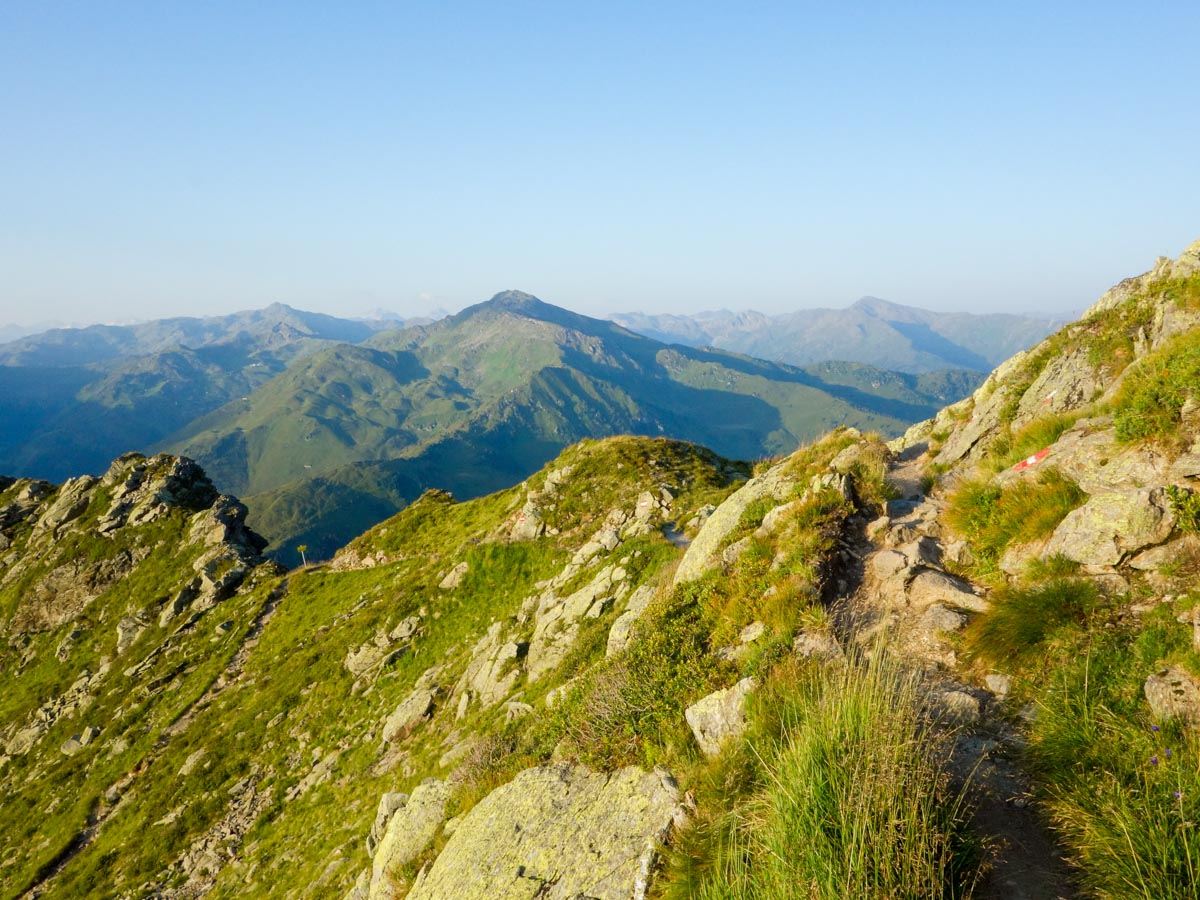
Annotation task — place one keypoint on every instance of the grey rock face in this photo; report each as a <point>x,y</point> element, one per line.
<point>454,577</point>
<point>930,587</point>
<point>703,553</point>
<point>619,633</point>
<point>719,717</point>
<point>557,833</point>
<point>412,711</point>
<point>1110,527</point>
<point>411,828</point>
<point>1173,693</point>
<point>817,645</point>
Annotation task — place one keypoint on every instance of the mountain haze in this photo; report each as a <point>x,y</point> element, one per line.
<point>873,331</point>
<point>72,399</point>
<point>481,399</point>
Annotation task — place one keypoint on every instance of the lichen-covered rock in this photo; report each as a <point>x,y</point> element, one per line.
<point>1111,527</point>
<point>704,551</point>
<point>412,711</point>
<point>454,577</point>
<point>1174,694</point>
<point>72,500</point>
<point>557,833</point>
<point>493,669</point>
<point>412,827</point>
<point>817,645</point>
<point>557,618</point>
<point>930,587</point>
<point>388,804</point>
<point>528,525</point>
<point>1068,381</point>
<point>619,634</point>
<point>957,707</point>
<point>719,717</point>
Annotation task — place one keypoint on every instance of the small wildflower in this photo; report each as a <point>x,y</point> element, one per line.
<point>1168,753</point>
<point>1154,728</point>
<point>1179,795</point>
<point>1154,760</point>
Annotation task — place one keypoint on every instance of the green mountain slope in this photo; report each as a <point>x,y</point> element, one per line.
<point>72,399</point>
<point>480,400</point>
<point>835,670</point>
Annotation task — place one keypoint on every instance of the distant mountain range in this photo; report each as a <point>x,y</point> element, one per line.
<point>70,397</point>
<point>325,426</point>
<point>873,331</point>
<point>479,400</point>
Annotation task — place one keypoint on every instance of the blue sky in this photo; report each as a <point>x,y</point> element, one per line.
<point>168,159</point>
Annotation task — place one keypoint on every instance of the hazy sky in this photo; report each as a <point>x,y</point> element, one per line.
<point>196,158</point>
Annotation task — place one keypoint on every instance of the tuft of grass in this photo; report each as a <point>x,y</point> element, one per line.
<point>1123,792</point>
<point>1031,437</point>
<point>1022,619</point>
<point>1148,404</point>
<point>838,792</point>
<point>993,517</point>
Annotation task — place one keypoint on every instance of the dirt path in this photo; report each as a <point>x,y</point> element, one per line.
<point>1025,861</point>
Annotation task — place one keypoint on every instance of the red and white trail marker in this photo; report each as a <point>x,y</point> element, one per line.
<point>1032,460</point>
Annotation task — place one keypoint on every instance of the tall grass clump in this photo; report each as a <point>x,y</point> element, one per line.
<point>1148,404</point>
<point>1123,791</point>
<point>852,799</point>
<point>992,517</point>
<point>1022,619</point>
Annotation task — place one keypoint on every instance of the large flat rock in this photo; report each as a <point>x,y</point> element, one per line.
<point>557,833</point>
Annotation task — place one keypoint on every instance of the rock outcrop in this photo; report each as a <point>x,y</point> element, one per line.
<point>558,833</point>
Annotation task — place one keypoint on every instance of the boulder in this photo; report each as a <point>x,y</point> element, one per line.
<point>1174,693</point>
<point>957,707</point>
<point>412,711</point>
<point>412,827</point>
<point>719,716</point>
<point>704,551</point>
<point>887,563</point>
<point>454,577</point>
<point>557,833</point>
<point>528,524</point>
<point>930,587</point>
<point>1111,527</point>
<point>364,659</point>
<point>619,634</point>
<point>1180,550</point>
<point>72,500</point>
<point>999,684</point>
<point>817,645</point>
<point>128,629</point>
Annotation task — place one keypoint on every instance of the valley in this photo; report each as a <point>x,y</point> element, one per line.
<point>958,662</point>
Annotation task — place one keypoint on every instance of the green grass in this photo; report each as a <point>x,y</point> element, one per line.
<point>1009,449</point>
<point>1148,404</point>
<point>993,517</point>
<point>1122,791</point>
<point>839,792</point>
<point>1021,620</point>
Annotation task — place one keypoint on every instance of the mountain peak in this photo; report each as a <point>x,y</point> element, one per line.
<point>517,301</point>
<point>876,306</point>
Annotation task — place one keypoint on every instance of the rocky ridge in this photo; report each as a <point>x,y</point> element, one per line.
<point>475,698</point>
